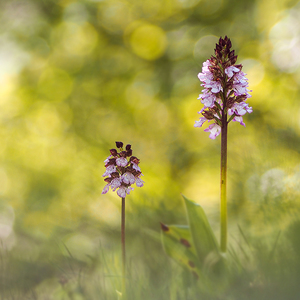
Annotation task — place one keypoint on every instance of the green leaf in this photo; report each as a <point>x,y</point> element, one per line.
<point>204,240</point>
<point>177,243</point>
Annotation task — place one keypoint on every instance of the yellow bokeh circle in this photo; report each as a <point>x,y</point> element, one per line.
<point>75,39</point>
<point>55,84</point>
<point>148,41</point>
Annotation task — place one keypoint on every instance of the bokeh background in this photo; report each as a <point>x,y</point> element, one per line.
<point>76,76</point>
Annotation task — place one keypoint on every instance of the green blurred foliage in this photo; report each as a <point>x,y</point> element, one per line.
<point>76,76</point>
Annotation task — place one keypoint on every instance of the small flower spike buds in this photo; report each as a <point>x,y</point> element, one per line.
<point>225,89</point>
<point>122,170</point>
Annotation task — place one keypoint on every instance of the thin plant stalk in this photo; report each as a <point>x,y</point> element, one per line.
<point>223,208</point>
<point>123,245</point>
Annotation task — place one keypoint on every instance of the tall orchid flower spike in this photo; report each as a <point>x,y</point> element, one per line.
<point>225,90</point>
<point>224,97</point>
<point>122,171</point>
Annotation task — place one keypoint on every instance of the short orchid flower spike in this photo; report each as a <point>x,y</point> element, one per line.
<point>225,90</point>
<point>122,171</point>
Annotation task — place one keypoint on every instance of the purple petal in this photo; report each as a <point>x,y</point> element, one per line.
<point>231,70</point>
<point>106,189</point>
<point>110,169</point>
<point>200,122</point>
<point>121,162</point>
<point>121,192</point>
<point>115,183</point>
<point>139,182</point>
<point>128,178</point>
<point>214,130</point>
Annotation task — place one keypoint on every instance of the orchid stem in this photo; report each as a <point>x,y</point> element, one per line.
<point>223,208</point>
<point>123,246</point>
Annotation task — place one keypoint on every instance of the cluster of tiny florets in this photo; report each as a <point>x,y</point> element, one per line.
<point>122,170</point>
<point>225,89</point>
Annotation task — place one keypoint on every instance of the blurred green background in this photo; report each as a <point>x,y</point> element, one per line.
<point>76,76</point>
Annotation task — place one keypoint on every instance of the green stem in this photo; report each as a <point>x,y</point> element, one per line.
<point>123,245</point>
<point>223,182</point>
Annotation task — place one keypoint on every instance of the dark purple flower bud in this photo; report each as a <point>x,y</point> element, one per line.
<point>128,147</point>
<point>231,54</point>
<point>233,59</point>
<point>222,42</point>
<point>228,43</point>
<point>113,152</point>
<point>219,55</point>
<point>115,175</point>
<point>240,98</point>
<point>208,114</point>
<point>214,110</point>
<point>136,173</point>
<point>123,154</point>
<point>111,161</point>
<point>119,144</point>
<point>108,179</point>
<point>230,102</point>
<point>213,61</point>
<point>129,168</point>
<point>129,152</point>
<point>134,160</point>
<point>218,48</point>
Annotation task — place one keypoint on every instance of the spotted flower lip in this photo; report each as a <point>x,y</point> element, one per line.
<point>225,89</point>
<point>122,171</point>
<point>231,70</point>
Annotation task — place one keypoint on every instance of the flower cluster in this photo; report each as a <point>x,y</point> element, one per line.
<point>225,90</point>
<point>122,170</point>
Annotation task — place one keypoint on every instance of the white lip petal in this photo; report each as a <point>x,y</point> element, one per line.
<point>121,162</point>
